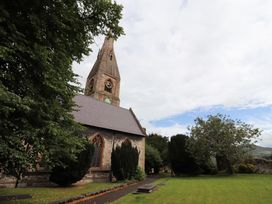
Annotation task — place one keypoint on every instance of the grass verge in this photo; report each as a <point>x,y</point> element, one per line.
<point>50,194</point>
<point>238,189</point>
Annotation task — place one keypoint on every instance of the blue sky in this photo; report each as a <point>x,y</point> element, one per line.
<point>187,118</point>
<point>188,58</point>
<point>259,117</point>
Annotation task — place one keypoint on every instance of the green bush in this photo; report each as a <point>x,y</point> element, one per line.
<point>139,174</point>
<point>208,168</point>
<point>246,168</point>
<point>161,144</point>
<point>73,170</point>
<point>152,159</point>
<point>124,161</point>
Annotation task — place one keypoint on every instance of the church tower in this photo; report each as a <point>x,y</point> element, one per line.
<point>103,82</point>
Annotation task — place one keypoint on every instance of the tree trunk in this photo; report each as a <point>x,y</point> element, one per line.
<point>224,164</point>
<point>230,169</point>
<point>18,178</point>
<point>172,173</point>
<point>220,163</point>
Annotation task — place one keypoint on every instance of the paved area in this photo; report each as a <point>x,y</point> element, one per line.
<point>112,196</point>
<point>14,197</point>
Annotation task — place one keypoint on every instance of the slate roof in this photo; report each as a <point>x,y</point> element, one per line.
<point>95,113</point>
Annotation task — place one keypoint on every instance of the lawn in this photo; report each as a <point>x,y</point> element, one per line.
<point>45,195</point>
<point>238,189</point>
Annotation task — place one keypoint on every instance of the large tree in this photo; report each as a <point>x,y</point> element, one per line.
<point>222,138</point>
<point>39,40</point>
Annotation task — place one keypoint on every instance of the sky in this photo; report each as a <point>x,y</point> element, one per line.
<point>183,59</point>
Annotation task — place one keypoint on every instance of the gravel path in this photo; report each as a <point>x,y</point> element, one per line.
<point>112,196</point>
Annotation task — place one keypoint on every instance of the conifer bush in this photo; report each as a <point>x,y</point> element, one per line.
<point>73,170</point>
<point>180,159</point>
<point>124,161</point>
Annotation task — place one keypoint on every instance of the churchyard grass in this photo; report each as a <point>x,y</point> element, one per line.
<point>237,189</point>
<point>46,195</point>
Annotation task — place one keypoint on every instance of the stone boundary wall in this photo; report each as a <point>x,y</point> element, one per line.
<point>33,179</point>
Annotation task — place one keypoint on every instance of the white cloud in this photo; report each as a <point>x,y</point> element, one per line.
<point>167,131</point>
<point>265,124</point>
<point>173,60</point>
<point>180,55</point>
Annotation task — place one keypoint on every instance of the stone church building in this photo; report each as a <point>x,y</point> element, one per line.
<point>108,125</point>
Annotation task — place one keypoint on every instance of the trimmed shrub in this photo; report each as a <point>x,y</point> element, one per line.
<point>73,170</point>
<point>152,160</point>
<point>180,159</point>
<point>124,161</point>
<point>139,174</point>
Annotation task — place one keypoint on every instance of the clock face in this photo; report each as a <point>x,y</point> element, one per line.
<point>108,84</point>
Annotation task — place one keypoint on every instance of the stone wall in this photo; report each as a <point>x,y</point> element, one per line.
<point>100,94</point>
<point>114,138</point>
<point>100,174</point>
<point>111,138</point>
<point>32,179</point>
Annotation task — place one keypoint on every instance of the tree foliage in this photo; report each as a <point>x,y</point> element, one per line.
<point>222,138</point>
<point>161,144</point>
<point>73,170</point>
<point>152,159</point>
<point>269,157</point>
<point>180,159</point>
<point>39,40</point>
<point>124,161</point>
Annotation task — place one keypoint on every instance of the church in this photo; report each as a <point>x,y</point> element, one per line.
<point>107,124</point>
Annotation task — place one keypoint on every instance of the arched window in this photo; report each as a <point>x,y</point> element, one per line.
<point>127,141</point>
<point>98,149</point>
<point>108,86</point>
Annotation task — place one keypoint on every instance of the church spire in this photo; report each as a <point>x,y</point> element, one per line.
<point>103,82</point>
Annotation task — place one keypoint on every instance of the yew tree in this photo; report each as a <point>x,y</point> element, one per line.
<point>39,40</point>
<point>222,138</point>
<point>124,161</point>
<point>180,159</point>
<point>74,170</point>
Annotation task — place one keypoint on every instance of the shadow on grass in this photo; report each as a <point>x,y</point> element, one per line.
<point>203,176</point>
